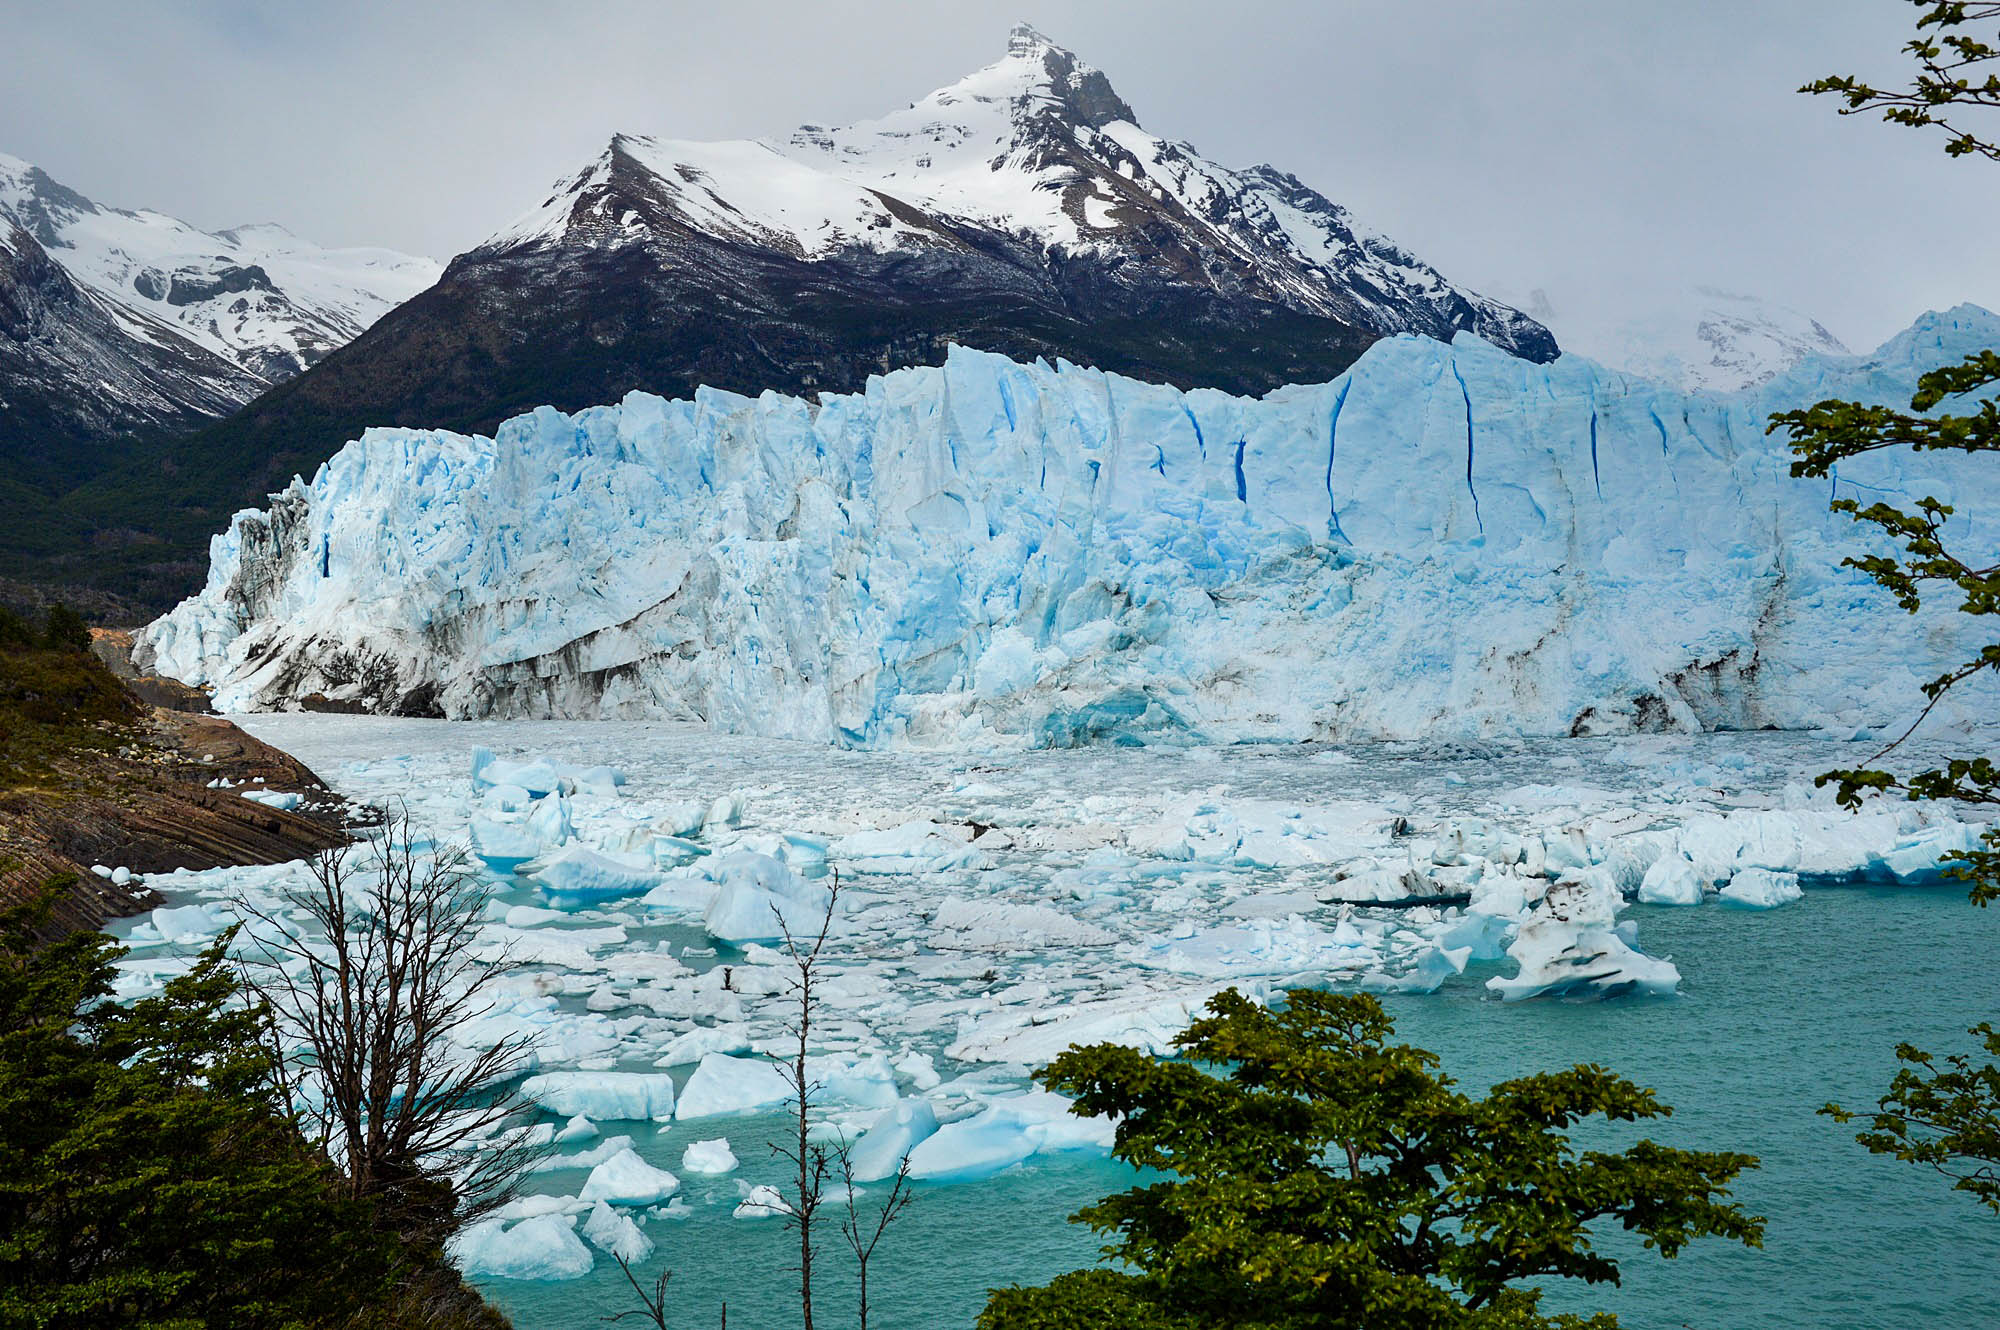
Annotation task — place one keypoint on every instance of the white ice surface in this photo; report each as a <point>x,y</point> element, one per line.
<point>1444,542</point>
<point>1112,897</point>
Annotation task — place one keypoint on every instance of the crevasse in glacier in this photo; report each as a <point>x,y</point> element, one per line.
<point>1446,541</point>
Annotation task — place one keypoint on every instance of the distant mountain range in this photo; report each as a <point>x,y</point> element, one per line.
<point>120,329</point>
<point>117,320</point>
<point>157,377</point>
<point>1701,338</point>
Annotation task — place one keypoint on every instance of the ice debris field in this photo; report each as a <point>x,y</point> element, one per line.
<point>1445,541</point>
<point>996,909</point>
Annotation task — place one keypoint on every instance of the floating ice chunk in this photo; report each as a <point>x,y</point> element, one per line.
<point>1567,958</point>
<point>608,1148</point>
<point>673,851</point>
<point>537,776</point>
<point>1428,975</point>
<point>1761,889</point>
<point>728,810</point>
<point>504,841</point>
<point>869,1082</point>
<point>544,1247</point>
<point>602,1096</point>
<point>581,872</point>
<point>615,1232</point>
<point>937,848</point>
<point>1293,945</point>
<point>186,923</point>
<point>709,1157</point>
<point>1003,1134</point>
<point>974,1147</point>
<point>578,1128</point>
<point>1144,1021</point>
<point>762,1203</point>
<point>626,1179</point>
<point>687,1049</point>
<point>282,800</point>
<point>550,820</point>
<point>1918,859</point>
<point>756,893</point>
<point>1672,880</point>
<point>996,925</point>
<point>507,798</point>
<point>683,818</point>
<point>920,1069</point>
<point>600,780</point>
<point>880,1150</point>
<point>723,1084</point>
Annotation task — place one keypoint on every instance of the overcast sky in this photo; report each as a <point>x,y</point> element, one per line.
<point>1608,151</point>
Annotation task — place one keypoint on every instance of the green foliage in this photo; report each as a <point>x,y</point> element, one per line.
<point>1827,433</point>
<point>65,630</point>
<point>1329,1178</point>
<point>147,1176</point>
<point>54,699</point>
<point>1947,1117</point>
<point>1948,76</point>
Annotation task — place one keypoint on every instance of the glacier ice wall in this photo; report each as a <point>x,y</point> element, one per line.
<point>1446,541</point>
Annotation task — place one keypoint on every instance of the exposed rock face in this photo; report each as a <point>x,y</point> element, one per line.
<point>76,369</point>
<point>151,809</point>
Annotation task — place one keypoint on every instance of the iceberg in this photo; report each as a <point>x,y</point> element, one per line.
<point>762,1203</point>
<point>758,898</point>
<point>1761,889</point>
<point>879,1151</point>
<point>626,1179</point>
<point>614,1232</point>
<point>1444,542</point>
<point>724,1084</point>
<point>602,1096</point>
<point>708,1157</point>
<point>543,1247</point>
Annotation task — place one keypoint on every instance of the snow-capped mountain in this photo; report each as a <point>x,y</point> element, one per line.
<point>1706,338</point>
<point>258,297</point>
<point>1021,210</point>
<point>1036,150</point>
<point>1442,541</point>
<point>77,368</point>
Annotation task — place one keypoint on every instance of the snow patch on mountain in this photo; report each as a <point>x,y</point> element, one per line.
<point>1036,147</point>
<point>1703,338</point>
<point>1444,541</point>
<point>259,297</point>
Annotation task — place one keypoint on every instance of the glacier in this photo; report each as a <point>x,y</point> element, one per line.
<point>1445,542</point>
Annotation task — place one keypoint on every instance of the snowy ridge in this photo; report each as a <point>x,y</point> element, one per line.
<point>1445,541</point>
<point>259,297</point>
<point>1710,339</point>
<point>1036,147</point>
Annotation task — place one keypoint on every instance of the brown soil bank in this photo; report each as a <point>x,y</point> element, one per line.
<point>90,774</point>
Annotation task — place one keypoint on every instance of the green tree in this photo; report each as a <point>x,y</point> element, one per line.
<point>149,1177</point>
<point>1944,1113</point>
<point>1322,1176</point>
<point>1828,433</point>
<point>65,630</point>
<point>146,1176</point>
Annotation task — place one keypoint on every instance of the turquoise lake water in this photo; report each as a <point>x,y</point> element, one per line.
<point>1779,1012</point>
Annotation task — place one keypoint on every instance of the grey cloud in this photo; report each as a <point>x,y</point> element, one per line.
<point>1604,150</point>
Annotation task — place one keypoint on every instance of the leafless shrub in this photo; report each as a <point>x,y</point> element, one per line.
<point>367,1001</point>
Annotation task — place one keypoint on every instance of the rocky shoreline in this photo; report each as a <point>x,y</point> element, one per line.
<point>170,797</point>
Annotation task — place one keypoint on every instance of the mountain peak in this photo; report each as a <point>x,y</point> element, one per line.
<point>1081,94</point>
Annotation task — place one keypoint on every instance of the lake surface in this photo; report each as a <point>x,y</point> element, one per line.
<point>1779,1012</point>
<point>1113,885</point>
